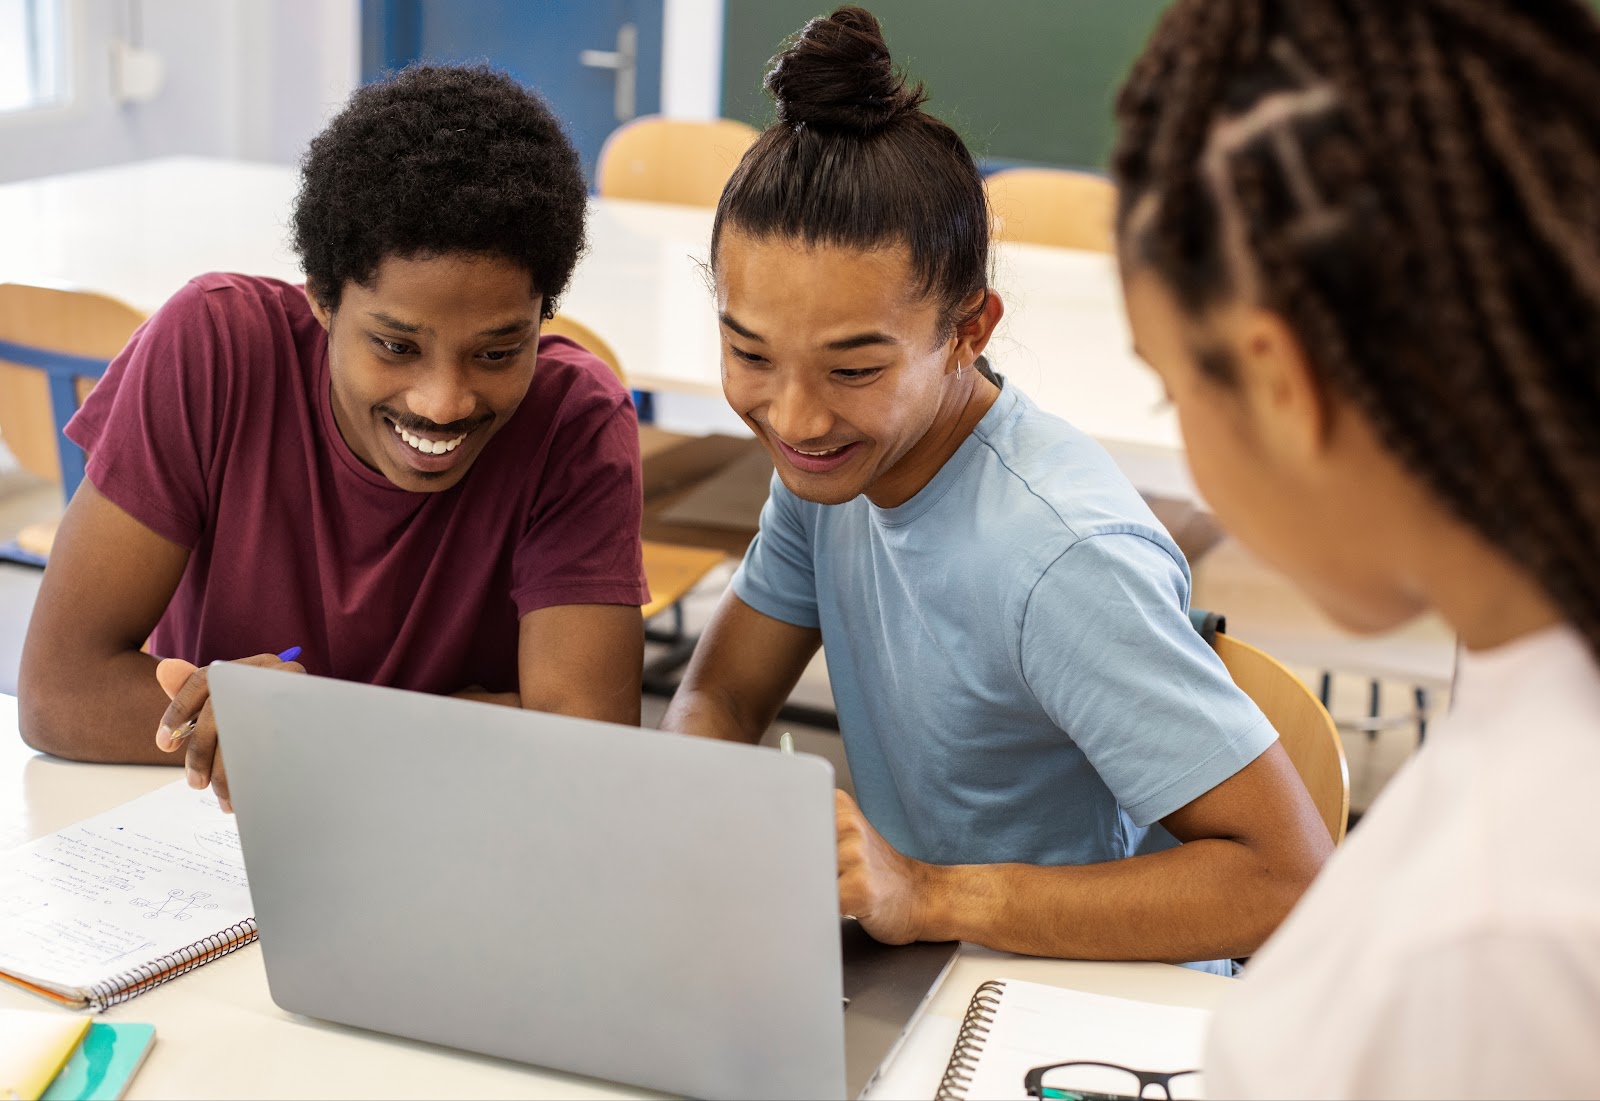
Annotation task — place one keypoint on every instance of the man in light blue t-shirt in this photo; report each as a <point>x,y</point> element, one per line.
<point>1021,695</point>
<point>1016,675</point>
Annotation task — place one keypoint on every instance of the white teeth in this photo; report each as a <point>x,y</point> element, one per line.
<point>428,447</point>
<point>818,454</point>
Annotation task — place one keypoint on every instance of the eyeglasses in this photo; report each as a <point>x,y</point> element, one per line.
<point>1085,1081</point>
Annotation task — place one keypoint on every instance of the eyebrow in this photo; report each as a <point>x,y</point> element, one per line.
<point>395,323</point>
<point>508,329</point>
<point>860,340</point>
<point>728,320</point>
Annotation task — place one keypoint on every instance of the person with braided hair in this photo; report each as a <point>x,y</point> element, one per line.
<point>1361,247</point>
<point>1026,708</point>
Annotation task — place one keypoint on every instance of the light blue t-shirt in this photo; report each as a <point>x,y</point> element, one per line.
<point>1012,661</point>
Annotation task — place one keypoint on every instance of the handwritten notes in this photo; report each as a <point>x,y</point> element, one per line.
<point>120,890</point>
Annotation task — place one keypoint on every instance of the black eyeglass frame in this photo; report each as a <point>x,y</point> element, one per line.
<point>1033,1081</point>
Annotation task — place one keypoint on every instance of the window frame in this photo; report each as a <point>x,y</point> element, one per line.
<point>69,63</point>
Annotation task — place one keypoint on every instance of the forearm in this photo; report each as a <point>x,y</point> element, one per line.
<point>742,671</point>
<point>582,660</point>
<point>708,713</point>
<point>1209,899</point>
<point>609,702</point>
<point>106,711</point>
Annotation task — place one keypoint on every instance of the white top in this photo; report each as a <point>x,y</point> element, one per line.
<point>1451,948</point>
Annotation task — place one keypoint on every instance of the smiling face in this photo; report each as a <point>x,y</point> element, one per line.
<point>839,368</point>
<point>429,359</point>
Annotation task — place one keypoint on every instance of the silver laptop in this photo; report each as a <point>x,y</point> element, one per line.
<point>638,906</point>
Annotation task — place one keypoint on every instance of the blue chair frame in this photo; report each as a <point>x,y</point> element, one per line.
<point>63,371</point>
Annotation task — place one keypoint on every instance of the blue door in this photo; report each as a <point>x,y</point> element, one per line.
<point>597,62</point>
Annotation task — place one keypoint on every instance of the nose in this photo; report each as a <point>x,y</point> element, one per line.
<point>443,395</point>
<point>797,413</point>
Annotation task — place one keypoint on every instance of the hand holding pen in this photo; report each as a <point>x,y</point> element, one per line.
<point>189,724</point>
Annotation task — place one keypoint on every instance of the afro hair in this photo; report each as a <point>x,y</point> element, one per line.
<point>440,159</point>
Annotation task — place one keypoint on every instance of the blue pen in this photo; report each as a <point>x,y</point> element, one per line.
<point>187,728</point>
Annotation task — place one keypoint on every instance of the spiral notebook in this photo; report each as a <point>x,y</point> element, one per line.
<point>1012,1026</point>
<point>109,907</point>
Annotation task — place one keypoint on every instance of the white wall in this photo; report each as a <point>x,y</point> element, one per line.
<point>256,79</point>
<point>306,54</point>
<point>691,59</point>
<point>244,78</point>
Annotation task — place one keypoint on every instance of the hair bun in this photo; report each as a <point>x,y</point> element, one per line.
<point>837,75</point>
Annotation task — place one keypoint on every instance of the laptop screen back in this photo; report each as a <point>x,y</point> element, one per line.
<point>622,903</point>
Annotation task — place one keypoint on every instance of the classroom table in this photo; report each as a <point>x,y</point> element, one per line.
<point>139,231</point>
<point>218,1034</point>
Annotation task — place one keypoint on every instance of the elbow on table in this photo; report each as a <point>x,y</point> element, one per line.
<point>37,731</point>
<point>46,731</point>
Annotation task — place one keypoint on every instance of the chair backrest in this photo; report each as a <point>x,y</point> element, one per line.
<point>1053,206</point>
<point>672,160</point>
<point>54,343</point>
<point>587,339</point>
<point>1305,729</point>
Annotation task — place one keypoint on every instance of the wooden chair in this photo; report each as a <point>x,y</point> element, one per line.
<point>672,160</point>
<point>1304,727</point>
<point>1053,206</point>
<point>587,339</point>
<point>54,344</point>
<point>670,570</point>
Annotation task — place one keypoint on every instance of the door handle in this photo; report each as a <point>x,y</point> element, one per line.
<point>624,61</point>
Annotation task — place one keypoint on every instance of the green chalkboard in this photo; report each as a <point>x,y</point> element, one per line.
<point>1020,80</point>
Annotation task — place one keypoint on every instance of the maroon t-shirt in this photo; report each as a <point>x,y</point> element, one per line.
<point>214,428</point>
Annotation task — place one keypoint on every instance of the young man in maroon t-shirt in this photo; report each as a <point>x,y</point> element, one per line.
<point>387,468</point>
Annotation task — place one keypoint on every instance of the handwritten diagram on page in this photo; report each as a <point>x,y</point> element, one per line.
<point>120,889</point>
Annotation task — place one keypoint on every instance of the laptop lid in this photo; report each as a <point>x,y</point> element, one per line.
<point>629,904</point>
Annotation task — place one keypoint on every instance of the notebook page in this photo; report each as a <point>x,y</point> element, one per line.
<point>121,889</point>
<point>1036,1025</point>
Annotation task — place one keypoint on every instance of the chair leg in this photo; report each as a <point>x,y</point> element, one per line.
<point>1374,706</point>
<point>1325,690</point>
<point>1422,714</point>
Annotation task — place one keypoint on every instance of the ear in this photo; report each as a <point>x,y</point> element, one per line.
<point>323,315</point>
<point>1287,402</point>
<point>983,312</point>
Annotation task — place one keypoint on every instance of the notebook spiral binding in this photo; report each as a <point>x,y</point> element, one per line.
<point>132,983</point>
<point>969,1043</point>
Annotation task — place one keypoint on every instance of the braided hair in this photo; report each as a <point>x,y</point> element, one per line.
<point>1414,186</point>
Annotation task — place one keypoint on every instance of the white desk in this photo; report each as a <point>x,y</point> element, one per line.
<point>219,1035</point>
<point>139,231</point>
